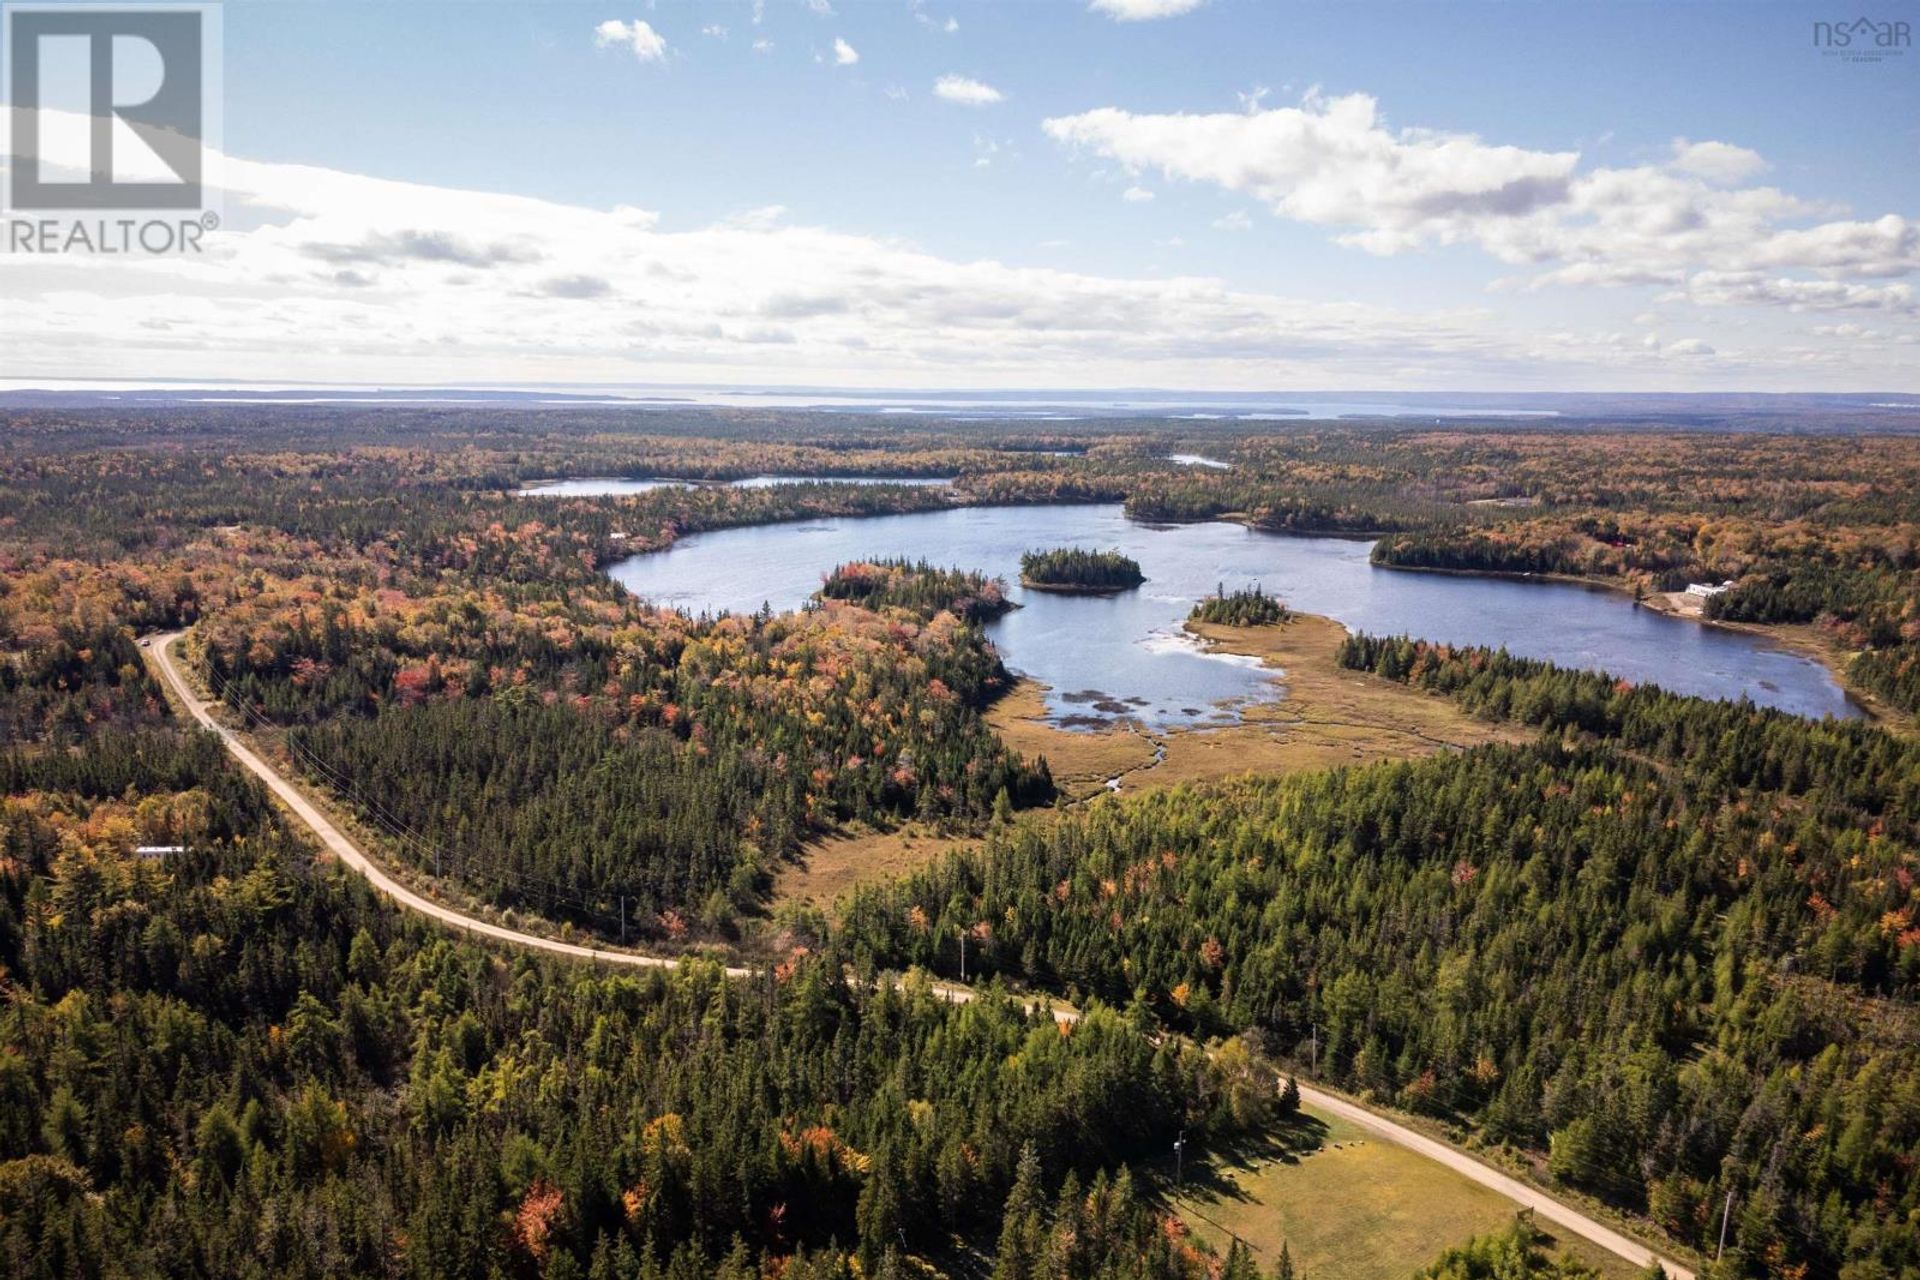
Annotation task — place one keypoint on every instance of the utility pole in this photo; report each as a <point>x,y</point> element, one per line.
<point>1179,1149</point>
<point>962,931</point>
<point>1725,1214</point>
<point>1316,1049</point>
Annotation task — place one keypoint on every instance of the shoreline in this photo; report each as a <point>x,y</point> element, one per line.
<point>1246,521</point>
<point>1794,638</point>
<point>1318,715</point>
<point>1798,639</point>
<point>1078,589</point>
<point>546,488</point>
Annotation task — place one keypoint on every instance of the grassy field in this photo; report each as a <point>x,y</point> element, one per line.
<point>1349,1206</point>
<point>1325,716</point>
<point>831,866</point>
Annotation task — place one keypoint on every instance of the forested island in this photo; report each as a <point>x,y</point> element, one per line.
<point>1250,607</point>
<point>919,588</point>
<point>1076,569</point>
<point>1651,952</point>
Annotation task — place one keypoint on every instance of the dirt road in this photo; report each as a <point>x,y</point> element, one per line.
<point>160,647</point>
<point>1544,1206</point>
<point>343,848</point>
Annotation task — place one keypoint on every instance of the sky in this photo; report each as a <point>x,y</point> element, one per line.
<point>1196,194</point>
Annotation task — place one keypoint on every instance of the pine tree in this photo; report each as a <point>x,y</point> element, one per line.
<point>1023,1229</point>
<point>1240,1264</point>
<point>877,1214</point>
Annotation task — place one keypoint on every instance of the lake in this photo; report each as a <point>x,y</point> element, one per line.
<point>1104,657</point>
<point>616,487</point>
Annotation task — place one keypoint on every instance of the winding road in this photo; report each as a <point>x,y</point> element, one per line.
<point>160,647</point>
<point>1544,1207</point>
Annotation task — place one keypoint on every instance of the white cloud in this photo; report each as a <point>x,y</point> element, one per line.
<point>1735,288</point>
<point>844,54</point>
<point>1234,220</point>
<point>764,218</point>
<point>1716,161</point>
<point>1851,331</point>
<point>1329,161</point>
<point>1143,10</point>
<point>324,275</point>
<point>949,25</point>
<point>320,275</point>
<point>1334,162</point>
<point>714,30</point>
<point>646,43</point>
<point>1136,195</point>
<point>966,91</point>
<point>763,45</point>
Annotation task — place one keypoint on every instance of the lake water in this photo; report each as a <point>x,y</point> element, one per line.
<point>598,487</point>
<point>1126,655</point>
<point>768,482</point>
<point>615,487</point>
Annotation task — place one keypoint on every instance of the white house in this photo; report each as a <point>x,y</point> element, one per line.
<point>1708,588</point>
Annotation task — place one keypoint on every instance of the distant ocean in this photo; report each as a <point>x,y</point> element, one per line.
<point>1056,406</point>
<point>1724,410</point>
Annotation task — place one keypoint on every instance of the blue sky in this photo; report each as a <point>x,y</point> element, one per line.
<point>1250,193</point>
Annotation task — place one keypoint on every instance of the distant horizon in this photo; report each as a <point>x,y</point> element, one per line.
<point>640,390</point>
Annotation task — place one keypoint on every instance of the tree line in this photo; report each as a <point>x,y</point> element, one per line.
<point>1669,948</point>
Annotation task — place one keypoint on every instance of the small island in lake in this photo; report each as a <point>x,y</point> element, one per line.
<point>918,587</point>
<point>1075,569</point>
<point>1252,608</point>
